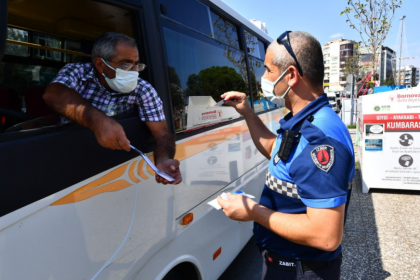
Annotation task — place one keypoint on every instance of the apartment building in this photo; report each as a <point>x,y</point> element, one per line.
<point>407,75</point>
<point>335,53</point>
<point>385,61</point>
<point>261,25</point>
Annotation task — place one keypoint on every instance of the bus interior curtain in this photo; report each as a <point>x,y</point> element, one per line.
<point>3,27</point>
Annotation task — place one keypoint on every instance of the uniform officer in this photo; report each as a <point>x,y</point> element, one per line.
<point>299,220</point>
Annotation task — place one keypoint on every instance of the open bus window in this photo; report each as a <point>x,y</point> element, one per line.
<point>50,120</point>
<point>200,71</point>
<point>20,36</point>
<point>44,42</point>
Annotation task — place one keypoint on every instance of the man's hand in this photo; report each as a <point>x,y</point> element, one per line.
<point>170,167</point>
<point>237,207</point>
<point>237,100</point>
<point>110,134</point>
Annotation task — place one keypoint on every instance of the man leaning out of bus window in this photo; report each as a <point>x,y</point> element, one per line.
<point>89,93</point>
<point>299,220</point>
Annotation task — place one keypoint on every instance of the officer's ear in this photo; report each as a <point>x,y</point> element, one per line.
<point>293,76</point>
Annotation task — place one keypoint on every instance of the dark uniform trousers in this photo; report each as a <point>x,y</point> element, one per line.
<point>330,271</point>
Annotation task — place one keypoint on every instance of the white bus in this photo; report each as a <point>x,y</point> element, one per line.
<point>71,209</point>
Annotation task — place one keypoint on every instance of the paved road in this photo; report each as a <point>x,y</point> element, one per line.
<point>381,238</point>
<point>246,266</point>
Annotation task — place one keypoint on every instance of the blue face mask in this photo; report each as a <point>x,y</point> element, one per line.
<point>268,90</point>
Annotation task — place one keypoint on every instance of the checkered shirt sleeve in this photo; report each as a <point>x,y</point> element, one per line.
<point>280,186</point>
<point>150,105</point>
<point>70,76</point>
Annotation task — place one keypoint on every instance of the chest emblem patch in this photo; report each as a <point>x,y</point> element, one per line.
<point>323,157</point>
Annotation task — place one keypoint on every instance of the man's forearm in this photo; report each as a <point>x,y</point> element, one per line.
<point>300,228</point>
<point>164,147</point>
<point>70,104</point>
<point>261,136</point>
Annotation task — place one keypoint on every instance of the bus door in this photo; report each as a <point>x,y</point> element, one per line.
<point>68,204</point>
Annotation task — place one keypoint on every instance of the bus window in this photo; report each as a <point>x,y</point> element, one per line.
<point>17,35</point>
<point>261,47</point>
<point>72,45</point>
<point>40,42</point>
<point>224,31</point>
<point>48,41</point>
<point>200,71</point>
<point>257,71</point>
<point>190,13</point>
<point>252,44</point>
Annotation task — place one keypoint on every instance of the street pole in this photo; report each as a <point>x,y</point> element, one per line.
<point>399,68</point>
<point>352,99</point>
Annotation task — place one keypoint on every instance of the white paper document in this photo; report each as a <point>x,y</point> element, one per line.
<point>150,163</point>
<point>216,205</point>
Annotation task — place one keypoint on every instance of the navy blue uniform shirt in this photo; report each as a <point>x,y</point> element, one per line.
<point>317,175</point>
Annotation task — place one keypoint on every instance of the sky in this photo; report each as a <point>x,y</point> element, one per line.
<point>323,20</point>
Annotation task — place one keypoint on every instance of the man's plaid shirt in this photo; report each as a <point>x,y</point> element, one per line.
<point>82,78</point>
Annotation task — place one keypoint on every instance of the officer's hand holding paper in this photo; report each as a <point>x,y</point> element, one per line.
<point>237,207</point>
<point>224,196</point>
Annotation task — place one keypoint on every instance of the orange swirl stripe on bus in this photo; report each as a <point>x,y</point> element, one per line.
<point>140,170</point>
<point>183,151</point>
<point>98,186</point>
<point>131,173</point>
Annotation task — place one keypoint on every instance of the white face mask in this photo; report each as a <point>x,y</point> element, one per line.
<point>124,81</point>
<point>268,90</point>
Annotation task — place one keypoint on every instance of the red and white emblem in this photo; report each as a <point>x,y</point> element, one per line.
<point>323,157</point>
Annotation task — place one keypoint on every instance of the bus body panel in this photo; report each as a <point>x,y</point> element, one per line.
<point>71,236</point>
<point>229,235</point>
<point>74,210</point>
<point>74,240</point>
<point>210,228</point>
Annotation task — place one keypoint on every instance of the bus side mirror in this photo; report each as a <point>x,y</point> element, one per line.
<point>3,27</point>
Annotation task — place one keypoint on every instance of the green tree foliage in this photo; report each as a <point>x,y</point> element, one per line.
<point>177,94</point>
<point>388,81</point>
<point>224,31</point>
<point>352,64</point>
<point>17,35</point>
<point>372,19</point>
<point>215,81</point>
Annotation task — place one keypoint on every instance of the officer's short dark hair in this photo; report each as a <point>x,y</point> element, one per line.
<point>308,52</point>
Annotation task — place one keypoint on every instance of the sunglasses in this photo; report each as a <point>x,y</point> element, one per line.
<point>284,40</point>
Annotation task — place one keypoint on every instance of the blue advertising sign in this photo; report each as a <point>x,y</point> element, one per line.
<point>373,145</point>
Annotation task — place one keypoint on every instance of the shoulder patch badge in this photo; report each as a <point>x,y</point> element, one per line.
<point>323,157</point>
